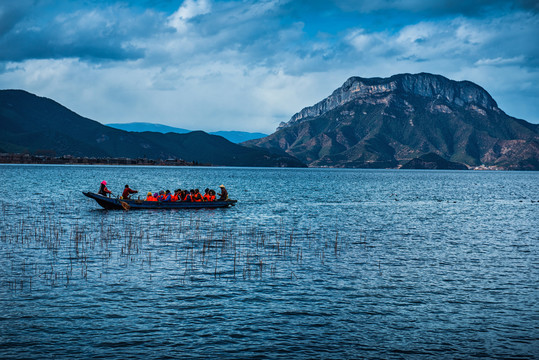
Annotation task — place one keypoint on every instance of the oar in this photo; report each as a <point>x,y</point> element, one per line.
<point>123,203</point>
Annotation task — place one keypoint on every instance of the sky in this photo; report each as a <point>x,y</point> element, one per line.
<point>249,65</point>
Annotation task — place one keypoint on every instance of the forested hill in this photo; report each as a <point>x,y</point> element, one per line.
<point>33,124</point>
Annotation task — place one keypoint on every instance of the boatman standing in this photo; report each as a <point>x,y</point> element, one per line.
<point>127,192</point>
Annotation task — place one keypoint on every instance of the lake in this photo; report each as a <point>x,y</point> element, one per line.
<point>310,263</point>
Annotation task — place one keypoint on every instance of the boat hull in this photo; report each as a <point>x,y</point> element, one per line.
<point>132,204</point>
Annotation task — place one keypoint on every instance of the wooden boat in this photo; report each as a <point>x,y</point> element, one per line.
<point>111,203</point>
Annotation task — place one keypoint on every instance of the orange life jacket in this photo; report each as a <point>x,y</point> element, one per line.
<point>206,197</point>
<point>212,198</point>
<point>197,197</point>
<point>151,198</point>
<point>174,198</point>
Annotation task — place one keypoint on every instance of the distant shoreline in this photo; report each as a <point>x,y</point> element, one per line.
<point>74,160</point>
<point>28,159</point>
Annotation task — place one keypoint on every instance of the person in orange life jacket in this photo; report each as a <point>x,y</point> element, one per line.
<point>192,195</point>
<point>128,191</point>
<point>206,196</point>
<point>150,197</point>
<point>161,195</point>
<point>167,196</point>
<point>103,189</point>
<point>186,196</point>
<point>223,195</point>
<point>181,197</point>
<point>198,196</point>
<point>175,196</point>
<point>212,195</point>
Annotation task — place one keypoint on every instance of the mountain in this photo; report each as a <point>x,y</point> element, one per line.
<point>386,122</point>
<point>232,136</point>
<point>144,126</point>
<point>433,161</point>
<point>239,136</point>
<point>33,124</point>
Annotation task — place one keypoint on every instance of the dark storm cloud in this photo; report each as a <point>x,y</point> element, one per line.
<point>442,7</point>
<point>108,33</point>
<point>11,13</point>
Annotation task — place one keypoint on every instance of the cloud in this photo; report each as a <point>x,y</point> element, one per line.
<point>248,65</point>
<point>11,12</point>
<point>97,33</point>
<point>469,7</point>
<point>462,40</point>
<point>188,10</point>
<point>499,61</point>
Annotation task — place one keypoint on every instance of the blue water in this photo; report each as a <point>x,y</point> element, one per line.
<point>310,263</point>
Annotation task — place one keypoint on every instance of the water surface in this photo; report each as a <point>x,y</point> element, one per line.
<point>311,263</point>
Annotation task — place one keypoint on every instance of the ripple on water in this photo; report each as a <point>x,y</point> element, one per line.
<point>413,265</point>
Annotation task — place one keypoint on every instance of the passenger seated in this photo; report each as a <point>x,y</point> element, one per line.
<point>206,196</point>
<point>167,196</point>
<point>185,196</point>
<point>175,196</point>
<point>212,195</point>
<point>197,197</point>
<point>161,196</point>
<point>149,197</point>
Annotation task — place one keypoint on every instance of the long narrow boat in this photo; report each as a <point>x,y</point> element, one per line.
<point>111,203</point>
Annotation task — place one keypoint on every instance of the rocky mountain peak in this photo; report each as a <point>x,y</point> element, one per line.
<point>381,90</point>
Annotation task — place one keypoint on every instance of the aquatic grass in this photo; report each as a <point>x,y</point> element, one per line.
<point>44,250</point>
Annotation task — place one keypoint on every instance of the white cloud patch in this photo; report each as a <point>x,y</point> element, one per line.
<point>499,61</point>
<point>188,10</point>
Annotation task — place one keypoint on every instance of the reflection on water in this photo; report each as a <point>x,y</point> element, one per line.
<point>325,263</point>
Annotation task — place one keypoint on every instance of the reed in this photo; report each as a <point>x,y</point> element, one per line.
<point>41,249</point>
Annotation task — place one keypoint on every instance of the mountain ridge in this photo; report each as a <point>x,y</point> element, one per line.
<point>386,122</point>
<point>232,136</point>
<point>423,84</point>
<point>34,124</point>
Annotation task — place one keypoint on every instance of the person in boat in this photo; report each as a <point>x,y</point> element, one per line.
<point>103,189</point>
<point>161,195</point>
<point>223,195</point>
<point>186,197</point>
<point>167,196</point>
<point>206,195</point>
<point>212,195</point>
<point>150,197</point>
<point>176,196</point>
<point>197,196</point>
<point>127,192</point>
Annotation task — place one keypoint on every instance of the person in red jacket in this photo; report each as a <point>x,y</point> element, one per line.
<point>128,191</point>
<point>103,189</point>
